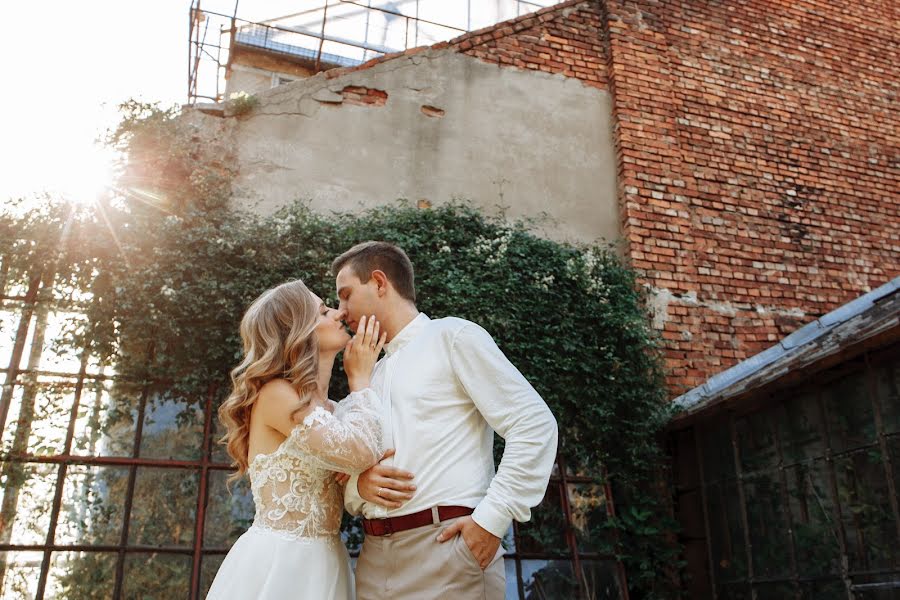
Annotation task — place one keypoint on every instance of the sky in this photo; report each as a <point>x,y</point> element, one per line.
<point>65,67</point>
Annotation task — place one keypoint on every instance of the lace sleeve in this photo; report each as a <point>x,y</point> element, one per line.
<point>350,440</point>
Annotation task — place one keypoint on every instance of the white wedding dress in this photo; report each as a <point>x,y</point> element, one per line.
<point>293,549</point>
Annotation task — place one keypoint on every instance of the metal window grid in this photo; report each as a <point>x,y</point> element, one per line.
<point>30,308</point>
<point>690,457</point>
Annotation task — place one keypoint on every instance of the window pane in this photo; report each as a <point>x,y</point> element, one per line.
<point>219,454</point>
<point>21,572</point>
<point>92,506</point>
<point>718,456</point>
<point>776,591</point>
<point>12,329</point>
<point>576,466</point>
<point>767,525</point>
<point>887,379</point>
<point>812,511</point>
<point>866,511</point>
<point>886,586</point>
<point>82,575</point>
<point>831,589</point>
<point>172,429</point>
<point>588,504</point>
<point>851,420</point>
<point>106,420</point>
<point>39,417</point>
<point>512,579</point>
<point>57,353</point>
<point>548,579</point>
<point>727,532</point>
<point>601,579</point>
<point>28,490</point>
<point>800,429</point>
<point>351,533</point>
<point>9,324</point>
<point>508,541</point>
<point>756,441</point>
<point>545,533</point>
<point>17,282</point>
<point>209,566</point>
<point>228,515</point>
<point>157,576</point>
<point>684,468</point>
<point>893,445</point>
<point>735,591</point>
<point>164,507</point>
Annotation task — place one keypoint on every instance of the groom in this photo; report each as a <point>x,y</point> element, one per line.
<point>445,388</point>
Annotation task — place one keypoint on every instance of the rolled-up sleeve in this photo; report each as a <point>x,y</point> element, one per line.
<point>512,407</point>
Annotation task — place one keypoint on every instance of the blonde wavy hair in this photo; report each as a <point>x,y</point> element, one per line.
<point>279,340</point>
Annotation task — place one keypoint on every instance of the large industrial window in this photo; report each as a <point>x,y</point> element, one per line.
<point>112,489</point>
<point>798,498</point>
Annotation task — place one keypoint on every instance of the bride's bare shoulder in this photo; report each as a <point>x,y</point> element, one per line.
<point>278,391</point>
<point>278,404</point>
<point>278,387</point>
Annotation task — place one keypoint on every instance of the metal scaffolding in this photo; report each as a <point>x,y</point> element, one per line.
<point>214,37</point>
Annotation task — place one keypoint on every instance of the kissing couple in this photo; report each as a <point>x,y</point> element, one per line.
<point>410,449</point>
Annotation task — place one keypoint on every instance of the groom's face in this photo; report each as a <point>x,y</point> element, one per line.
<point>356,298</point>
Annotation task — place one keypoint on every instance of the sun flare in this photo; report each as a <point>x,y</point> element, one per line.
<point>85,177</point>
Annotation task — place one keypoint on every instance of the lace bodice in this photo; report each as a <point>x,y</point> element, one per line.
<point>294,489</point>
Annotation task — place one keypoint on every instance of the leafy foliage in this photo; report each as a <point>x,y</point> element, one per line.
<point>166,267</point>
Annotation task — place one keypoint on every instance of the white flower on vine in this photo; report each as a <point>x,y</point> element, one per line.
<point>494,249</point>
<point>546,281</point>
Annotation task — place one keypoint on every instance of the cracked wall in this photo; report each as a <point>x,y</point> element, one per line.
<point>431,127</point>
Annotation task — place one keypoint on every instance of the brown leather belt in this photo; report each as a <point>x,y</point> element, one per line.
<point>418,519</point>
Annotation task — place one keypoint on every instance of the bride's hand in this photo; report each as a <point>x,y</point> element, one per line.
<point>362,351</point>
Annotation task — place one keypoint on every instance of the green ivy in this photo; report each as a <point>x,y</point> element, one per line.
<point>164,268</point>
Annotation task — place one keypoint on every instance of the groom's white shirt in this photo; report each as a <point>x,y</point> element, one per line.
<point>445,388</point>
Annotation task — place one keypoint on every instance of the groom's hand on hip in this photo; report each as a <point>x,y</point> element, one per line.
<point>387,486</point>
<point>482,543</point>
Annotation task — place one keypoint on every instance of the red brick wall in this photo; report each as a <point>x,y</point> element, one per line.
<point>566,39</point>
<point>354,94</point>
<point>759,164</point>
<point>758,154</point>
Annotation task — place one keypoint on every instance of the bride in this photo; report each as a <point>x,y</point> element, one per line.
<point>283,432</point>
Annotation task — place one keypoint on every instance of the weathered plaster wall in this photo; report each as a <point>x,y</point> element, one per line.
<point>436,125</point>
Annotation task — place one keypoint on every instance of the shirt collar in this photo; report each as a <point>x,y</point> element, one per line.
<point>407,334</point>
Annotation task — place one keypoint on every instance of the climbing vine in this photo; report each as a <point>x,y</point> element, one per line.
<point>162,268</point>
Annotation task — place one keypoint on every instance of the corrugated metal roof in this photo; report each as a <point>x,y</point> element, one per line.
<point>868,315</point>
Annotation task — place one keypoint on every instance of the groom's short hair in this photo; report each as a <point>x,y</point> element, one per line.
<point>380,256</point>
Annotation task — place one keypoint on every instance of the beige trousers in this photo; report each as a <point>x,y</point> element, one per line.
<point>413,565</point>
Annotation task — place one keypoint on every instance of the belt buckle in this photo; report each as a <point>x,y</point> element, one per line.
<point>388,528</point>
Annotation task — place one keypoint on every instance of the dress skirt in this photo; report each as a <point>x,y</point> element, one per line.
<point>265,564</point>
